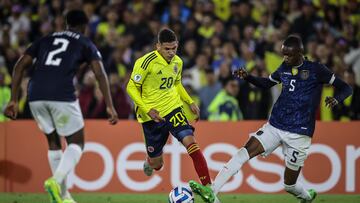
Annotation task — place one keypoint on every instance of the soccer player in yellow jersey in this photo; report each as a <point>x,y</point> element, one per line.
<point>155,87</point>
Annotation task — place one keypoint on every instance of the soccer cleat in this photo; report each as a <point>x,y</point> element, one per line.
<point>69,200</point>
<point>147,168</point>
<point>205,192</point>
<point>216,200</point>
<point>312,193</point>
<point>53,188</point>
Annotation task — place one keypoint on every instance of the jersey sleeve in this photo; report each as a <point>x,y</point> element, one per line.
<point>33,49</point>
<point>178,77</point>
<point>324,75</point>
<point>275,76</point>
<point>91,52</point>
<point>139,73</point>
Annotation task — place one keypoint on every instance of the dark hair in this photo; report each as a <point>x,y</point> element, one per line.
<point>76,18</point>
<point>227,80</point>
<point>166,35</point>
<point>294,41</point>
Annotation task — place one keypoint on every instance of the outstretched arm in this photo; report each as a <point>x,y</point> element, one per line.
<point>98,69</point>
<point>257,81</point>
<point>21,65</point>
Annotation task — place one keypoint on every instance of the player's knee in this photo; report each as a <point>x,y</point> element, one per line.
<point>54,146</point>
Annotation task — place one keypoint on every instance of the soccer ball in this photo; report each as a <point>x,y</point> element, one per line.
<point>181,194</point>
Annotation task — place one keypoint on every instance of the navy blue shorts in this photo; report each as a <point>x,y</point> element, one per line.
<point>156,134</point>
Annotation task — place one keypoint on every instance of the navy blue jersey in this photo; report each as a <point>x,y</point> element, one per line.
<point>294,111</point>
<point>57,58</point>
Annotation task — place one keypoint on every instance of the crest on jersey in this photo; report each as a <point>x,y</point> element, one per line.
<point>304,74</point>
<point>176,69</point>
<point>137,78</point>
<point>294,71</point>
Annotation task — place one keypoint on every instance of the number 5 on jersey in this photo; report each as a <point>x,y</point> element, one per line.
<point>292,85</point>
<point>50,59</point>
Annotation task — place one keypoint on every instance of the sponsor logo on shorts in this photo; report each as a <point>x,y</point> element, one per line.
<point>260,132</point>
<point>150,149</point>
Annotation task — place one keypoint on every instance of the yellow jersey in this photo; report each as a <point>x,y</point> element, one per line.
<point>155,83</point>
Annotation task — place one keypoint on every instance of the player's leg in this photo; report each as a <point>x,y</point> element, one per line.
<point>155,137</point>
<point>200,166</point>
<point>69,160</point>
<point>41,113</point>
<point>295,187</point>
<point>54,157</point>
<point>264,141</point>
<point>295,148</point>
<point>69,122</point>
<point>184,133</point>
<point>197,157</point>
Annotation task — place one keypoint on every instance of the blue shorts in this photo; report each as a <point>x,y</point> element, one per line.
<point>156,134</point>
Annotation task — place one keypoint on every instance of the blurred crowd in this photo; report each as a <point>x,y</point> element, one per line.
<point>215,37</point>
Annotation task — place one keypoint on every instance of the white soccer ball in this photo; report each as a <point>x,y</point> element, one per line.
<point>181,194</point>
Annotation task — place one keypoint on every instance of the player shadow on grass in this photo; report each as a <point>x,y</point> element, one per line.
<point>14,173</point>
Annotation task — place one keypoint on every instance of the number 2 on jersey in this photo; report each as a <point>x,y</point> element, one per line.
<point>50,59</point>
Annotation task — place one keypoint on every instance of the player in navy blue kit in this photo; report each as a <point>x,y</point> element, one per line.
<point>292,120</point>
<point>55,59</point>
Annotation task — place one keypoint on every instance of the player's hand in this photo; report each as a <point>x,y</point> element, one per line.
<point>240,73</point>
<point>195,109</point>
<point>11,110</point>
<point>154,114</point>
<point>113,117</point>
<point>330,102</point>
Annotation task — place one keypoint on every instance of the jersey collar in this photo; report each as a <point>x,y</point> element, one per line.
<point>162,60</point>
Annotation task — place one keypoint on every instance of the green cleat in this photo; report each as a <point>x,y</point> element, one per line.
<point>205,192</point>
<point>313,195</point>
<point>53,188</point>
<point>69,200</point>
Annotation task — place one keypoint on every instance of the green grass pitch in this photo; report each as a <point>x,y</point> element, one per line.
<point>162,198</point>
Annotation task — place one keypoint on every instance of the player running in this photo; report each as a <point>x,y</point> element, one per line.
<point>156,89</point>
<point>292,120</point>
<point>52,100</point>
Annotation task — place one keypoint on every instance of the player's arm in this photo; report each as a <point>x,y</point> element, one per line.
<point>98,69</point>
<point>344,90</point>
<point>134,86</point>
<point>134,91</point>
<point>24,62</point>
<point>93,57</point>
<point>257,81</point>
<point>185,96</point>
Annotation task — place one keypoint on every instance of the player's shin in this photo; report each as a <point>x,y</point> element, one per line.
<point>71,157</point>
<point>199,163</point>
<point>54,157</point>
<point>230,169</point>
